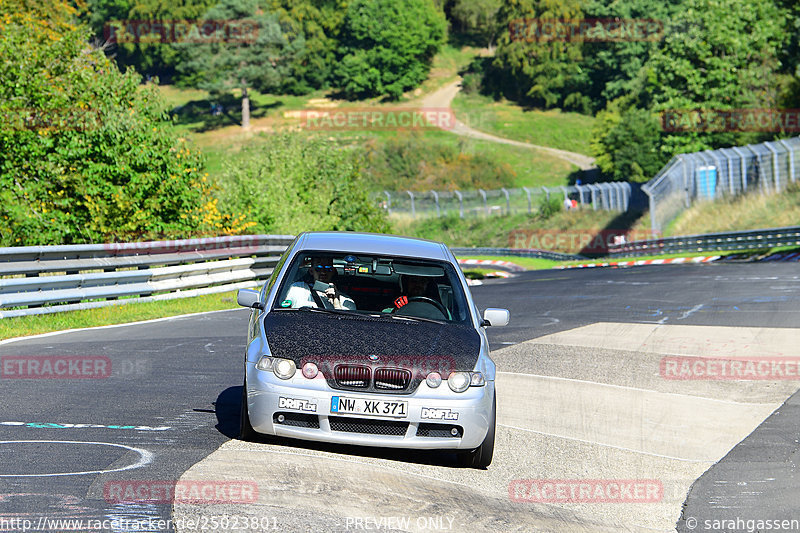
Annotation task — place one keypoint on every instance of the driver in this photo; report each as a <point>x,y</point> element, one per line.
<point>412,286</point>
<point>322,272</point>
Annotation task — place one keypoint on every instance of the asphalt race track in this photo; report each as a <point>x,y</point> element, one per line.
<point>585,395</point>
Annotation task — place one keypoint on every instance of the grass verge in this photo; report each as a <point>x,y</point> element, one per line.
<point>114,314</point>
<point>554,128</point>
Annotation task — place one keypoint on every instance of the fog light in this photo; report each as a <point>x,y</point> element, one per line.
<point>281,418</point>
<point>454,432</point>
<point>310,370</point>
<point>284,368</point>
<point>459,381</point>
<point>477,380</point>
<point>433,380</point>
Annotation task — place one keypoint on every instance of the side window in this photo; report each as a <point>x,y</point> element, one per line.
<point>274,277</point>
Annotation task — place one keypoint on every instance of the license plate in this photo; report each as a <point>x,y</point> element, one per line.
<point>364,406</point>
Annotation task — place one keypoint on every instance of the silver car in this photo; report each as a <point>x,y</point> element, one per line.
<point>370,340</point>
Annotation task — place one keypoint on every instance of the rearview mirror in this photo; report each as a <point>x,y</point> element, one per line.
<point>249,298</point>
<point>496,317</point>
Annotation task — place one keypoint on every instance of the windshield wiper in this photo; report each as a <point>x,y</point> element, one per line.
<point>416,318</point>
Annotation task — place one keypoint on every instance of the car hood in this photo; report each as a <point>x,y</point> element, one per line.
<point>329,339</point>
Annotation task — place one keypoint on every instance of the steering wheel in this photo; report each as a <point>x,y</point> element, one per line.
<point>425,299</point>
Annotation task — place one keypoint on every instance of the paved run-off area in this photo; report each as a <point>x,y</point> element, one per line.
<point>589,403</point>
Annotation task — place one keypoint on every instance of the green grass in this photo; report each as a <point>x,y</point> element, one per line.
<point>529,263</point>
<point>564,228</point>
<point>115,314</point>
<point>564,130</point>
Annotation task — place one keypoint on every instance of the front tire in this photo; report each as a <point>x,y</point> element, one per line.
<point>481,457</point>
<point>246,431</point>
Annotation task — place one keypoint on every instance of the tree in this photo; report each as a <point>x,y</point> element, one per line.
<point>318,23</point>
<point>534,64</point>
<point>258,58</point>
<point>707,62</point>
<point>387,46</point>
<point>477,18</point>
<point>86,153</point>
<point>612,66</point>
<point>150,57</point>
<point>298,183</point>
<point>626,143</point>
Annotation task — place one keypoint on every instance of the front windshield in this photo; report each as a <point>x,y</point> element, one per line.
<point>372,284</point>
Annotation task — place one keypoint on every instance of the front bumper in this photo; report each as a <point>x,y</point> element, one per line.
<point>473,407</point>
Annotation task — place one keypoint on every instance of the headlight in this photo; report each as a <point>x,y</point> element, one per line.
<point>459,381</point>
<point>310,370</point>
<point>433,380</point>
<point>265,363</point>
<point>284,368</point>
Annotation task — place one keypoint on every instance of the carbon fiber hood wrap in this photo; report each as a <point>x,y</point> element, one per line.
<point>329,340</point>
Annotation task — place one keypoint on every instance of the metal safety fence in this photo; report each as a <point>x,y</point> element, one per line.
<point>724,173</point>
<point>612,196</point>
<point>46,279</point>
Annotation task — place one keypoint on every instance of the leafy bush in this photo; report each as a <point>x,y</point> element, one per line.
<point>387,46</point>
<point>296,183</point>
<point>417,163</point>
<point>626,144</point>
<point>86,154</point>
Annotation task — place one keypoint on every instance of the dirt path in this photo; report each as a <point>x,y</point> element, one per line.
<point>443,97</point>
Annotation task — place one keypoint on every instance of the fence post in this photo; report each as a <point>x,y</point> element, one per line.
<point>775,172</point>
<point>761,182</point>
<point>791,159</point>
<point>687,201</point>
<point>651,200</point>
<point>594,195</point>
<point>413,211</point>
<point>626,195</point>
<point>730,175</point>
<point>743,167</point>
<point>460,203</point>
<point>388,202</point>
<point>546,193</point>
<point>436,199</point>
<point>485,205</point>
<point>508,201</point>
<point>528,192</point>
<point>580,194</point>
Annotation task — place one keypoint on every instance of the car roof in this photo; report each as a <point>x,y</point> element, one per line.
<point>372,243</point>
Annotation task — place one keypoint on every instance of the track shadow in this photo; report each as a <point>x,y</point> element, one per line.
<point>619,225</point>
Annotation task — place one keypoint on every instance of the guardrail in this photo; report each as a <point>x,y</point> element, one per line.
<point>717,242</point>
<point>517,252</point>
<point>47,279</point>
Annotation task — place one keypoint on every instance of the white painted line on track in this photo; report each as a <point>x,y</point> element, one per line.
<point>625,387</point>
<point>145,458</point>
<point>710,461</point>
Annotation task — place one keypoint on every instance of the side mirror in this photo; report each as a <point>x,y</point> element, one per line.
<point>496,317</point>
<point>249,298</point>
